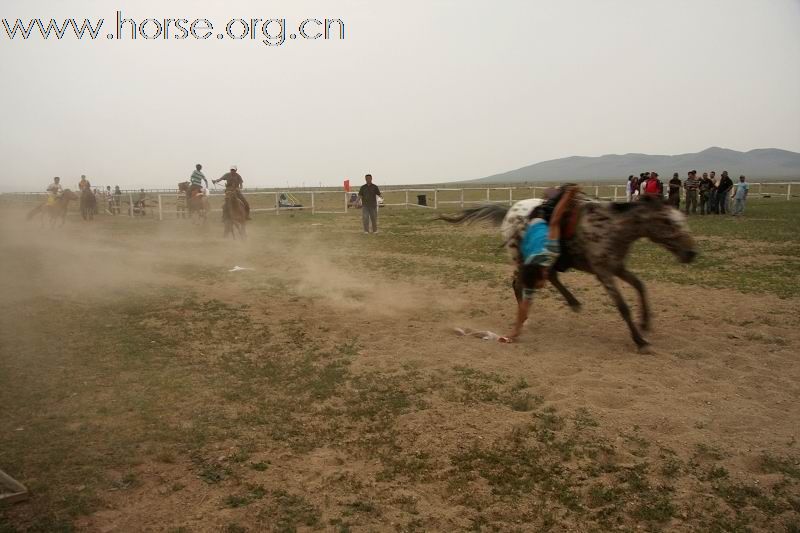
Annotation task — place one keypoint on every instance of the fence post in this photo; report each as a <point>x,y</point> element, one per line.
<point>406,198</point>
<point>312,202</point>
<point>130,204</point>
<point>597,191</point>
<point>488,197</point>
<point>789,191</point>
<point>510,196</point>
<point>346,205</point>
<point>462,198</point>
<point>615,193</point>
<point>160,213</point>
<point>277,205</point>
<point>435,198</point>
<point>759,190</point>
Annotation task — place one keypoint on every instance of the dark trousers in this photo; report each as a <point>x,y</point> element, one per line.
<point>722,201</point>
<point>244,201</point>
<point>691,201</point>
<point>705,206</point>
<point>713,206</point>
<point>369,214</point>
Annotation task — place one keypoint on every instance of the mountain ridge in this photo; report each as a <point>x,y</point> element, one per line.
<point>757,163</point>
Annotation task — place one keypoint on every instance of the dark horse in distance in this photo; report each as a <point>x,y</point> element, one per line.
<point>602,237</point>
<point>88,204</point>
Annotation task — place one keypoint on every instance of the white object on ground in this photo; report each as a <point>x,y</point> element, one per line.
<point>485,335</point>
<point>238,268</point>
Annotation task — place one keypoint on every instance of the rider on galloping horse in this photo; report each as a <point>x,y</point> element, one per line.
<point>540,249</point>
<point>54,191</point>
<point>196,180</point>
<point>233,184</point>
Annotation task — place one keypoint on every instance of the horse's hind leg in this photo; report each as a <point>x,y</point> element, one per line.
<point>611,287</point>
<point>573,302</point>
<point>629,277</point>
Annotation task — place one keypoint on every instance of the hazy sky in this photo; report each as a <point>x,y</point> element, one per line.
<point>417,91</point>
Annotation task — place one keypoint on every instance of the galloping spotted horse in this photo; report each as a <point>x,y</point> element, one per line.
<point>599,241</point>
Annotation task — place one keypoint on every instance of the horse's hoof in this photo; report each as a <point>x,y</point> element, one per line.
<point>576,307</point>
<point>644,349</point>
<point>644,326</point>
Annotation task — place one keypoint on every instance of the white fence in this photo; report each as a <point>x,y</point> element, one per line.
<point>422,198</point>
<point>167,205</point>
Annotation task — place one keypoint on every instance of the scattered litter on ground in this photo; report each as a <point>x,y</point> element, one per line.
<point>485,335</point>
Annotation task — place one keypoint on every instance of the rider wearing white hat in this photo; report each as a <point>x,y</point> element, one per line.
<point>234,182</point>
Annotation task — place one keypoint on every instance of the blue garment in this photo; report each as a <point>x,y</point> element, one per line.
<point>534,240</point>
<point>535,247</point>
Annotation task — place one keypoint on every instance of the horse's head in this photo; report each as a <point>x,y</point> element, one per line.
<point>665,225</point>
<point>69,195</point>
<point>183,186</point>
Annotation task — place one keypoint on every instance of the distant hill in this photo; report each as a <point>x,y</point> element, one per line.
<point>762,163</point>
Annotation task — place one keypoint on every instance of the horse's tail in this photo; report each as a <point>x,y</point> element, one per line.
<point>492,213</point>
<point>33,212</point>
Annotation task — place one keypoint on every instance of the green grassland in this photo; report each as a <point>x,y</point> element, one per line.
<point>213,395</point>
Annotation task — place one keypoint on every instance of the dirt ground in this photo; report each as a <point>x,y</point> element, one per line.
<point>146,387</point>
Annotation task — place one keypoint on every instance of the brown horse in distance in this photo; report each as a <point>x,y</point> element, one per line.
<point>234,215</point>
<point>56,210</point>
<point>196,203</point>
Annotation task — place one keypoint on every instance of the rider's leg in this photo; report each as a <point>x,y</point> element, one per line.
<point>554,232</point>
<point>245,202</point>
<point>528,279</point>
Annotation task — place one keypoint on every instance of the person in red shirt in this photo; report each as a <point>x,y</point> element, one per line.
<point>652,185</point>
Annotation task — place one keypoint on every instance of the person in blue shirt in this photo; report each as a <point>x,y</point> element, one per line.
<point>539,249</point>
<point>740,196</point>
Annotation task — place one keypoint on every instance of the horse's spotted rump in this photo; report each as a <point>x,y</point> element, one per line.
<point>515,223</point>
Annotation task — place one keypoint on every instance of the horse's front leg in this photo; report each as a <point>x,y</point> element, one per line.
<point>573,302</point>
<point>630,278</point>
<point>607,279</point>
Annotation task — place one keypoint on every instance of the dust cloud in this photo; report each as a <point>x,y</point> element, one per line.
<point>111,257</point>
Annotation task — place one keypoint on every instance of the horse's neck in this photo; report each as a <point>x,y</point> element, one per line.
<point>629,229</point>
<point>624,228</point>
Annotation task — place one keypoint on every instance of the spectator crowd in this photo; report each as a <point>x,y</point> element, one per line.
<point>710,194</point>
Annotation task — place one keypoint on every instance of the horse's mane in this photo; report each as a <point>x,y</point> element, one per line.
<point>647,201</point>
